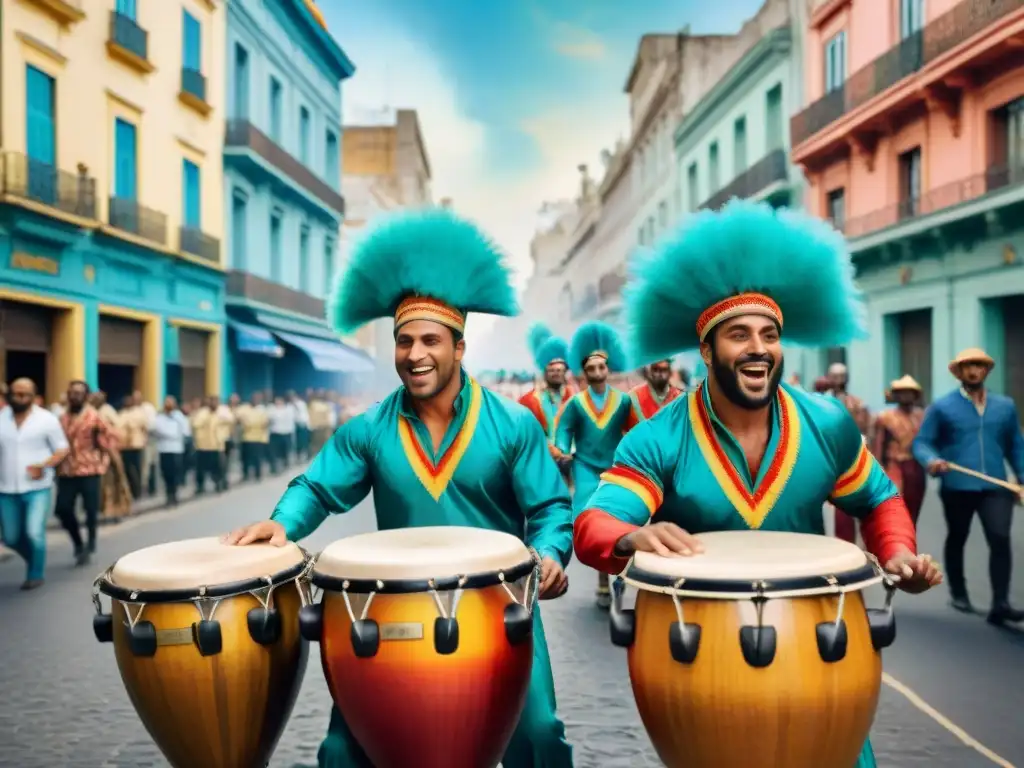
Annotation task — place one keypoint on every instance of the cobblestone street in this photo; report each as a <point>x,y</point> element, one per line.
<point>62,702</point>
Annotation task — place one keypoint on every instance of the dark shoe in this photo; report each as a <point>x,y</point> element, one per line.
<point>604,599</point>
<point>92,547</point>
<point>1004,612</point>
<point>31,584</point>
<point>82,558</point>
<point>962,604</point>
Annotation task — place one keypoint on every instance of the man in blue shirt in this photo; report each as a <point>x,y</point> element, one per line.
<point>979,430</point>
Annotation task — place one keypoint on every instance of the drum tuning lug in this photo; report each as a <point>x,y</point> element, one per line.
<point>365,636</point>
<point>518,623</point>
<point>103,627</point>
<point>758,644</point>
<point>684,642</point>
<point>882,623</point>
<point>311,622</point>
<point>832,641</point>
<point>264,625</point>
<point>446,635</point>
<point>142,639</point>
<point>621,621</point>
<point>207,636</point>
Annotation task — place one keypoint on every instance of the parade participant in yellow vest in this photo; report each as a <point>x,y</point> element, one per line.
<point>255,423</point>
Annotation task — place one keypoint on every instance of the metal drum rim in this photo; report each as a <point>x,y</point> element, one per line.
<point>479,580</point>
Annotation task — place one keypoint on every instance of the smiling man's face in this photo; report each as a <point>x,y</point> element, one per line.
<point>427,355</point>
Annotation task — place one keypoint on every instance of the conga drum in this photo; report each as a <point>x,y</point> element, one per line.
<point>426,638</point>
<point>758,653</point>
<point>207,641</point>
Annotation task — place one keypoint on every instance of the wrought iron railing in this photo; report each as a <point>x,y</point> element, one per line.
<point>249,286</point>
<point>125,32</point>
<point>242,133</point>
<point>130,216</point>
<point>21,176</point>
<point>193,82</point>
<point>198,243</point>
<point>770,169</point>
<point>949,30</point>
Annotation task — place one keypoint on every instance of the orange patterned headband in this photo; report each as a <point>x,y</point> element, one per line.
<point>734,306</point>
<point>424,308</point>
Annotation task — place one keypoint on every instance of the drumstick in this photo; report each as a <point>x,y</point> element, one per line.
<point>1018,489</point>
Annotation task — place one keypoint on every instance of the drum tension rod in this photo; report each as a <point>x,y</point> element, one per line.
<point>264,622</point>
<point>882,621</point>
<point>758,642</point>
<point>683,638</point>
<point>832,635</point>
<point>446,626</point>
<point>518,617</point>
<point>364,633</point>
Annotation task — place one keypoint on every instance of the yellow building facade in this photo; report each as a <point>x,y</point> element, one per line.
<point>112,134</point>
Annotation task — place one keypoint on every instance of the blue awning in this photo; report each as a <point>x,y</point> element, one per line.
<point>328,355</point>
<point>256,340</point>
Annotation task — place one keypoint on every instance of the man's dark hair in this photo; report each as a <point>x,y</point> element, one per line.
<point>80,383</point>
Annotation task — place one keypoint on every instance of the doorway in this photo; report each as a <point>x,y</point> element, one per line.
<point>915,347</point>
<point>120,355</point>
<point>25,341</point>
<point>1013,342</point>
<point>117,381</point>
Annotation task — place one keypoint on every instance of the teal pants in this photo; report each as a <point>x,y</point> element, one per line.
<point>867,757</point>
<point>585,480</point>
<point>538,741</point>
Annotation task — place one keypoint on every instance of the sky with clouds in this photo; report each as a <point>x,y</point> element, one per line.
<point>512,94</point>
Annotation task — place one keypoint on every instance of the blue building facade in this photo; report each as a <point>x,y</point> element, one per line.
<point>282,200</point>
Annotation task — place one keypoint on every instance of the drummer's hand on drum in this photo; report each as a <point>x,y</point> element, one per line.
<point>267,530</point>
<point>918,573</point>
<point>665,539</point>
<point>553,581</point>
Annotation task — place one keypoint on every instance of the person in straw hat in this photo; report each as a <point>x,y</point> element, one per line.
<point>895,430</point>
<point>979,430</point>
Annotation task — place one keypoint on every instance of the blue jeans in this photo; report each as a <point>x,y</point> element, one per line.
<point>23,519</point>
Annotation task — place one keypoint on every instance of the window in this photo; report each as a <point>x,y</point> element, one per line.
<point>774,118</point>
<point>275,110</point>
<point>835,62</point>
<point>304,135</point>
<point>304,259</point>
<point>191,207</point>
<point>127,8</point>
<point>911,17</point>
<point>125,160</point>
<point>691,187</point>
<point>40,125</point>
<point>739,146</point>
<point>1006,144</point>
<point>640,239</point>
<point>275,247</point>
<point>239,227</point>
<point>663,214</point>
<point>192,49</point>
<point>328,266</point>
<point>910,182</point>
<point>713,180</point>
<point>331,158</point>
<point>836,208</point>
<point>241,103</point>
<point>650,229</point>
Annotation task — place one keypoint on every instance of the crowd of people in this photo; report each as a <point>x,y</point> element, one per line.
<point>83,448</point>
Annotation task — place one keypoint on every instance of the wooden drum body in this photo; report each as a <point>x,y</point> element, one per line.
<point>427,643</point>
<point>213,671</point>
<point>736,670</point>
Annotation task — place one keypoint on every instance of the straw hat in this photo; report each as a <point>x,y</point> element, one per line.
<point>906,383</point>
<point>971,355</point>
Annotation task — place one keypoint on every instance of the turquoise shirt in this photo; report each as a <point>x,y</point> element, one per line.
<point>493,470</point>
<point>684,466</point>
<point>595,423</point>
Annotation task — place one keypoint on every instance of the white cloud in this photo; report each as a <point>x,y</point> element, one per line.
<point>394,70</point>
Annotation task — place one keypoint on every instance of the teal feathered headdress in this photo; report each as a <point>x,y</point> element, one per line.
<point>597,338</point>
<point>746,259</point>
<point>422,265</point>
<point>553,350</point>
<point>536,335</point>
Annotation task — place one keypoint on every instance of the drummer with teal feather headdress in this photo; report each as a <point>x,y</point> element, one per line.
<point>429,270</point>
<point>551,358</point>
<point>593,421</point>
<point>743,451</point>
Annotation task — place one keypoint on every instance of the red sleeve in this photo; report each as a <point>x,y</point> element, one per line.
<point>888,530</point>
<point>595,534</point>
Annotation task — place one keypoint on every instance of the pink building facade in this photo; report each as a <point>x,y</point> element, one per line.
<point>912,142</point>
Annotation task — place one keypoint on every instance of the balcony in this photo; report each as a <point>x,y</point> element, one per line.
<point>913,54</point>
<point>247,286</point>
<point>136,219</point>
<point>241,134</point>
<point>129,43</point>
<point>193,91</point>
<point>64,12</point>
<point>757,180</point>
<point>198,243</point>
<point>26,179</point>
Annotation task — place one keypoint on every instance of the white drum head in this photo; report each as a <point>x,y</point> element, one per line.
<point>195,563</point>
<point>416,554</point>
<point>758,556</point>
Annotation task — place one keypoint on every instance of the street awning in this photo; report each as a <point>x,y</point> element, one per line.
<point>326,355</point>
<point>311,328</point>
<point>255,340</point>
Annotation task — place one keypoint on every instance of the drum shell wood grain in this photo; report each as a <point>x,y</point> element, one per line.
<point>409,705</point>
<point>227,710</point>
<point>719,712</point>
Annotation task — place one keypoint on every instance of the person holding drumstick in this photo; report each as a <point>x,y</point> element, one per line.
<point>743,451</point>
<point>440,449</point>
